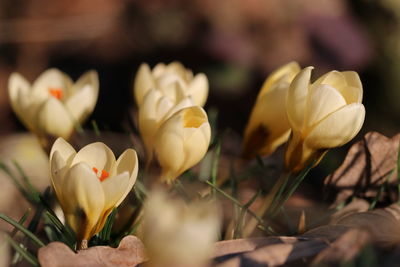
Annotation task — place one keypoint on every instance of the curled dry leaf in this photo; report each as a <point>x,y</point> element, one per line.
<point>368,164</point>
<point>130,252</point>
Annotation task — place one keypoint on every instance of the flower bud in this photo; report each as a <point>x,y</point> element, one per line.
<point>322,115</point>
<point>182,141</point>
<point>268,126</point>
<point>154,110</point>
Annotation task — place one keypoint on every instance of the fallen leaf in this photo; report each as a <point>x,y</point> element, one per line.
<point>289,249</point>
<point>368,164</point>
<point>130,252</point>
<point>344,249</point>
<point>382,224</point>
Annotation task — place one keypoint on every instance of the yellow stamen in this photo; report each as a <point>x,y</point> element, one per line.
<point>56,92</point>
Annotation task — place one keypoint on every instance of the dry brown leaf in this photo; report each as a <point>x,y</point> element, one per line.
<point>130,252</point>
<point>382,224</point>
<point>345,248</point>
<point>367,165</point>
<point>288,249</point>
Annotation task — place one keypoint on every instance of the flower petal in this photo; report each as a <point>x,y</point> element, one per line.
<point>51,78</point>
<point>114,188</point>
<point>287,72</point>
<point>65,150</point>
<point>81,104</point>
<point>198,89</point>
<point>143,83</point>
<point>338,128</point>
<point>323,100</point>
<point>19,91</point>
<point>54,119</point>
<point>97,155</point>
<point>128,162</point>
<point>85,201</point>
<point>88,78</point>
<point>333,78</point>
<point>58,168</point>
<point>297,98</point>
<point>268,126</point>
<point>17,83</point>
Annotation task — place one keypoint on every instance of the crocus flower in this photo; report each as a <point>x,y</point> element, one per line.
<point>268,126</point>
<point>179,234</point>
<point>53,104</point>
<point>165,77</point>
<point>322,115</point>
<point>182,141</point>
<point>90,183</point>
<point>155,109</point>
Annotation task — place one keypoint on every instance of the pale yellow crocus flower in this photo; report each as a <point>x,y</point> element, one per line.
<point>155,109</point>
<point>179,234</point>
<point>325,114</point>
<point>164,77</point>
<point>53,104</point>
<point>182,141</point>
<point>90,183</point>
<point>268,126</point>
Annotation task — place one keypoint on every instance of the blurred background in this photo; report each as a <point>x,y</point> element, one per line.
<point>236,43</point>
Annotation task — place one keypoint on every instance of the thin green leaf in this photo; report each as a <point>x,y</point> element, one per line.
<point>214,168</point>
<point>260,220</point>
<point>17,183</point>
<point>285,196</point>
<point>20,227</point>
<point>23,252</point>
<point>105,233</point>
<point>239,226</point>
<point>96,128</point>
<point>21,221</point>
<point>30,188</point>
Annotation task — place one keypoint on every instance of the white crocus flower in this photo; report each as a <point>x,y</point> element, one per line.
<point>179,234</point>
<point>182,141</point>
<point>90,183</point>
<point>164,77</point>
<point>53,104</point>
<point>325,114</point>
<point>155,109</point>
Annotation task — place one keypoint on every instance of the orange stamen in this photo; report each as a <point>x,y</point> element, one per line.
<point>104,175</point>
<point>56,92</point>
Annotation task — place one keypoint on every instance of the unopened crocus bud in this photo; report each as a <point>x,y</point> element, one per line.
<point>164,77</point>
<point>182,141</point>
<point>325,114</point>
<point>90,183</point>
<point>268,126</point>
<point>179,234</point>
<point>53,104</point>
<point>155,109</point>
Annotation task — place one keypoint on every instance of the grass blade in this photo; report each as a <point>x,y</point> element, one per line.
<point>20,227</point>
<point>24,253</point>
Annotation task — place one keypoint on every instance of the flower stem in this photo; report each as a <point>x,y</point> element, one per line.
<point>82,244</point>
<point>269,199</point>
